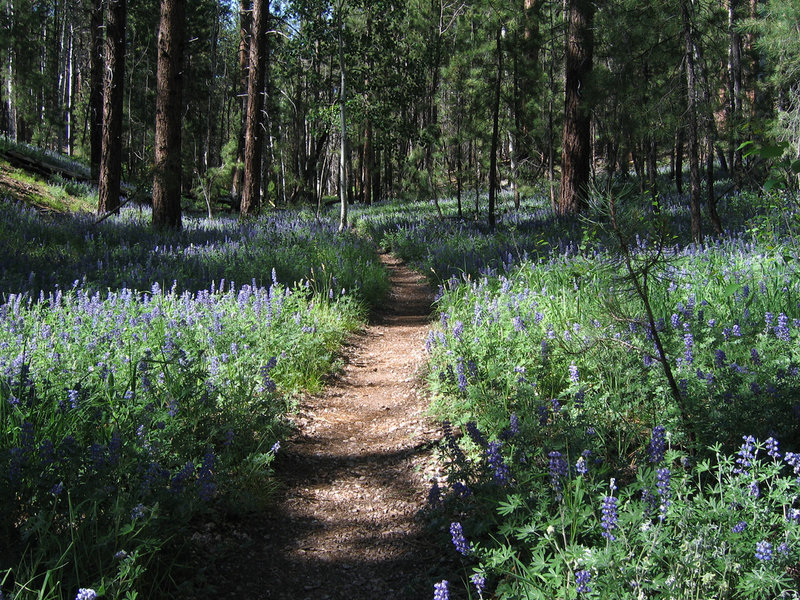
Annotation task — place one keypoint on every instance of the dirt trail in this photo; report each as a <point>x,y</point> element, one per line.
<point>356,475</point>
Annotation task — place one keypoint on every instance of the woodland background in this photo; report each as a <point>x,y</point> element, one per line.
<point>367,100</point>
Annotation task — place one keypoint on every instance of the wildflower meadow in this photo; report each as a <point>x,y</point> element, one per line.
<point>620,406</point>
<point>131,410</point>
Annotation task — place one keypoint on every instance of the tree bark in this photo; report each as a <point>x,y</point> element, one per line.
<point>576,142</point>
<point>679,160</point>
<point>169,108</point>
<point>243,54</point>
<point>110,174</point>
<point>254,126</point>
<point>343,185</point>
<point>694,138</point>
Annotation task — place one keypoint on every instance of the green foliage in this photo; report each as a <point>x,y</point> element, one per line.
<point>127,416</point>
<point>561,525</point>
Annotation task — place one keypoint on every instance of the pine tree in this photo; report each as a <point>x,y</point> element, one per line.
<point>169,108</point>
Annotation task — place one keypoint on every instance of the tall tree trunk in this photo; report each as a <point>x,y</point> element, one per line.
<point>459,173</point>
<point>110,174</point>
<point>679,160</point>
<point>495,131</point>
<point>12,59</point>
<point>694,138</point>
<point>243,53</point>
<point>69,95</point>
<point>254,128</point>
<point>711,197</point>
<point>652,172</point>
<point>577,150</point>
<point>343,159</point>
<point>169,105</point>
<point>735,93</point>
<point>368,165</point>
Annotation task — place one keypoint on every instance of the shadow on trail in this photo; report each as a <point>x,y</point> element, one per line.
<point>363,556</point>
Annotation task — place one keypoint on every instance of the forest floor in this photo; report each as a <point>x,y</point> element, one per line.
<point>349,520</point>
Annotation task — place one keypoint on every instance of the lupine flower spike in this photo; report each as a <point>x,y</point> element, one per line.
<point>441,590</point>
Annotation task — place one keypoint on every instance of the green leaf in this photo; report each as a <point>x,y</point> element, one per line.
<point>512,503</point>
<point>730,290</point>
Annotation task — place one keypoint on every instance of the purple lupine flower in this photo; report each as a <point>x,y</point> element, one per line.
<point>582,579</point>
<point>719,358</point>
<point>688,343</point>
<point>513,424</point>
<point>178,482</point>
<point>753,489</point>
<point>747,454</point>
<point>452,444</point>
<point>475,434</point>
<point>793,460</point>
<point>739,527</point>
<point>441,590</point>
<point>458,330</point>
<point>782,328</point>
<point>27,438</point>
<point>663,477</point>
<point>658,444</point>
<point>86,594</point>
<point>772,447</point>
<point>72,398</point>
<point>137,512</point>
<point>573,373</point>
<point>543,414</point>
<point>650,499</point>
<point>479,581</point>
<point>459,541</point>
<point>608,520</point>
<point>783,549</point>
<point>461,372</point>
<point>230,435</point>
<point>737,332</point>
<point>580,466</point>
<point>763,551</point>
<point>755,357</point>
<point>275,447</point>
<point>647,360</point>
<point>462,489</point>
<point>558,469</point>
<point>205,476</point>
<point>495,459</point>
<point>675,321</point>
